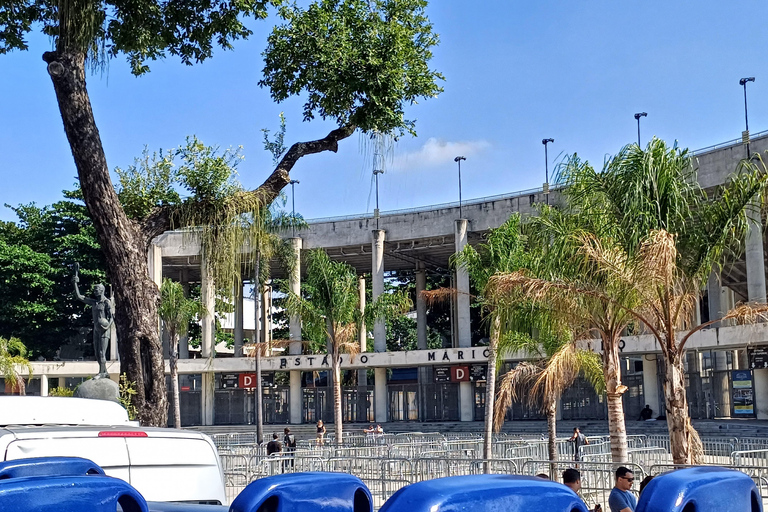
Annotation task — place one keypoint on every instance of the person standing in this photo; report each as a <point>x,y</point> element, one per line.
<point>621,498</point>
<point>572,480</point>
<point>578,440</point>
<point>320,433</point>
<point>289,444</point>
<point>274,446</point>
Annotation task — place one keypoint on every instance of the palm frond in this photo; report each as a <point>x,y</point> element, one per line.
<point>439,296</point>
<point>512,388</point>
<point>557,374</point>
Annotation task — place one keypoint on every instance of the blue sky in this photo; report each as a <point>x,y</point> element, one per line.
<point>516,72</point>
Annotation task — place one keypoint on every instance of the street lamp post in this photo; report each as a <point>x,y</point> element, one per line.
<point>458,160</point>
<point>638,116</point>
<point>293,205</point>
<point>376,173</point>
<point>546,167</point>
<point>745,135</point>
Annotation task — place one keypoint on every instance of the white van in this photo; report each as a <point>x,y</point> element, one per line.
<point>163,464</point>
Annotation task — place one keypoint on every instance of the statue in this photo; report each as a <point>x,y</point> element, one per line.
<point>103,317</point>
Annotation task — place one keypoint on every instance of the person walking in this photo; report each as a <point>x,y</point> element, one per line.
<point>274,446</point>
<point>289,444</point>
<point>572,480</point>
<point>320,433</point>
<point>578,439</point>
<point>621,498</point>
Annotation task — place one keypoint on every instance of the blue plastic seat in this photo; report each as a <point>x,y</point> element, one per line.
<point>485,493</point>
<point>701,489</point>
<point>305,492</point>
<point>69,494</point>
<point>49,466</point>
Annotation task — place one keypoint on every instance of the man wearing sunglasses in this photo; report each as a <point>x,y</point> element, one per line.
<point>621,498</point>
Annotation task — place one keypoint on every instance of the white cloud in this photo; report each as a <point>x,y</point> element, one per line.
<point>437,152</point>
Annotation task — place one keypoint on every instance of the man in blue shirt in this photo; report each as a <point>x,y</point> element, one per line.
<point>621,499</point>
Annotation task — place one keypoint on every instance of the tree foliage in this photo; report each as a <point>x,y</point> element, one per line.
<point>331,49</point>
<point>372,92</point>
<point>143,31</point>
<point>12,358</point>
<point>37,254</point>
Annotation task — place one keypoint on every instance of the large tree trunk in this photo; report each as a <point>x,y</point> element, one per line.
<point>552,428</point>
<point>490,393</point>
<point>173,360</point>
<point>614,389</point>
<point>677,409</point>
<point>122,241</point>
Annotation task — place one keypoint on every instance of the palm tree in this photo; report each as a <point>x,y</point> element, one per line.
<point>664,236</point>
<point>12,357</point>
<point>331,305</point>
<point>176,311</point>
<point>557,363</point>
<point>567,286</point>
<point>503,251</point>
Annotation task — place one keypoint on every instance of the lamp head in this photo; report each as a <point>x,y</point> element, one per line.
<point>459,158</point>
<point>744,81</point>
<point>641,114</point>
<point>294,182</point>
<point>544,141</point>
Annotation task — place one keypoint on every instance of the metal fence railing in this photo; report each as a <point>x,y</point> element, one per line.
<point>391,461</point>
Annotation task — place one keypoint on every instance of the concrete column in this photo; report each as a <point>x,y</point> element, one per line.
<point>43,385</point>
<point>755,257</point>
<point>207,397</point>
<point>714,298</point>
<point>155,267</point>
<point>362,335</point>
<point>294,284</point>
<point>113,351</point>
<point>761,393</point>
<point>377,281</point>
<point>463,327</point>
<point>155,263</point>
<point>421,335</point>
<point>651,383</point>
<point>380,394</point>
<point>238,332</point>
<point>421,307</point>
<point>379,329</point>
<point>266,313</point>
<point>296,400</point>
<point>208,298</point>
<point>184,340</point>
<point>720,381</point>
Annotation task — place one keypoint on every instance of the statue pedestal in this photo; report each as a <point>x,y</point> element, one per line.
<point>99,389</point>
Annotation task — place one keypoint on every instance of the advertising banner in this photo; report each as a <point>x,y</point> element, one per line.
<point>743,394</point>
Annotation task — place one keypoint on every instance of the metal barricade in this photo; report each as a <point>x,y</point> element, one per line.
<point>395,474</point>
<point>597,479</point>
<point>647,457</point>
<point>757,458</point>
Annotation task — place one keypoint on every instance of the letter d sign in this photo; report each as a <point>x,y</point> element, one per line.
<point>459,374</point>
